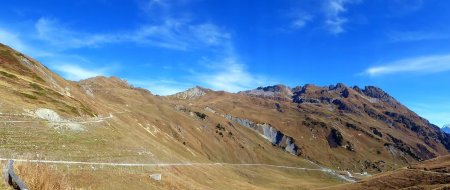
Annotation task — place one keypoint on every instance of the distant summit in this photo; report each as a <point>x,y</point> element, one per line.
<point>192,93</point>
<point>279,92</point>
<point>446,128</point>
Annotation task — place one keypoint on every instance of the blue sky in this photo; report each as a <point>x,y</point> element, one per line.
<point>167,46</point>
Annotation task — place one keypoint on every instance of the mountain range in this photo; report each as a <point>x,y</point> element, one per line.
<point>446,128</point>
<point>206,139</point>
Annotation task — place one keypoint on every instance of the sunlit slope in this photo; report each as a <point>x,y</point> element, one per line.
<point>346,128</point>
<point>431,174</point>
<point>105,119</point>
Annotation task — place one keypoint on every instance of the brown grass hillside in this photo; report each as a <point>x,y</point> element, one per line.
<point>104,119</point>
<point>431,174</point>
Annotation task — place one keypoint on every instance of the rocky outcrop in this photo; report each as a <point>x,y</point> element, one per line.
<point>310,94</point>
<point>277,92</point>
<point>375,92</point>
<point>403,147</point>
<point>359,102</point>
<point>192,93</point>
<point>276,137</point>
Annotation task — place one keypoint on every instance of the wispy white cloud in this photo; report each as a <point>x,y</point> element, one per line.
<point>231,75</point>
<point>300,20</point>
<point>160,86</point>
<point>329,14</point>
<point>181,35</point>
<point>68,65</point>
<point>222,72</point>
<point>12,40</point>
<point>177,34</point>
<point>426,64</point>
<point>158,10</point>
<point>75,72</point>
<point>53,32</point>
<point>15,41</point>
<point>334,19</point>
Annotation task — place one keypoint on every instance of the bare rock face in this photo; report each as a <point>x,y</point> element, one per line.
<point>270,133</point>
<point>48,115</point>
<point>277,92</point>
<point>375,92</point>
<point>192,93</point>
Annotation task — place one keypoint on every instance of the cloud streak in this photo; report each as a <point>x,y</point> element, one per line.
<point>175,34</point>
<point>330,14</point>
<point>53,32</point>
<point>160,86</point>
<point>180,35</point>
<point>12,40</point>
<point>222,72</point>
<point>300,21</point>
<point>426,64</point>
<point>334,19</point>
<point>75,72</point>
<point>230,75</point>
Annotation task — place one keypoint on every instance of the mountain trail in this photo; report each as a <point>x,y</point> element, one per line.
<point>193,164</point>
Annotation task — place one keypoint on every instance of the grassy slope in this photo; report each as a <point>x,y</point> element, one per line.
<point>39,176</point>
<point>149,129</point>
<point>144,129</point>
<point>369,148</point>
<point>432,174</point>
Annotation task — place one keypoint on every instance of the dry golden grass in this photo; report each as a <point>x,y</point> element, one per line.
<point>50,176</point>
<point>148,129</point>
<point>196,177</point>
<point>431,174</point>
<point>42,177</point>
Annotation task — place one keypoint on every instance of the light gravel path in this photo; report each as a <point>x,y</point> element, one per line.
<point>154,165</point>
<point>96,120</point>
<point>102,119</point>
<point>188,164</point>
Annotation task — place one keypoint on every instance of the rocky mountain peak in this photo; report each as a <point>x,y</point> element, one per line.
<point>338,86</point>
<point>310,93</point>
<point>192,93</point>
<point>446,128</point>
<point>378,93</point>
<point>275,88</point>
<point>375,92</point>
<point>279,91</point>
<point>297,88</point>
